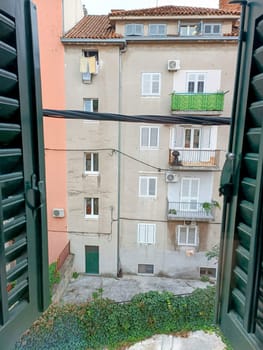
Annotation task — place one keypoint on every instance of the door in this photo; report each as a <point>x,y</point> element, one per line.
<point>23,232</point>
<point>92,259</point>
<point>240,291</point>
<point>189,194</point>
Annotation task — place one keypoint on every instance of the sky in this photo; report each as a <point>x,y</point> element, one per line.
<point>97,7</point>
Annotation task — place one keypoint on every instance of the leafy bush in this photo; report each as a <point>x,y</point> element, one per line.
<point>104,323</point>
<point>54,276</point>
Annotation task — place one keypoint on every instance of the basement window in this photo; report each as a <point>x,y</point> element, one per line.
<point>146,268</point>
<point>208,271</point>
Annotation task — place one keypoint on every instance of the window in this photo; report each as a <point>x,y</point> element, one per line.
<point>189,193</point>
<point>212,29</point>
<point>191,138</point>
<point>91,207</point>
<point>91,162</point>
<point>208,271</point>
<point>187,235</point>
<point>149,137</point>
<point>134,29</point>
<point>89,65</point>
<point>91,104</point>
<point>151,84</point>
<point>147,186</point>
<point>146,233</point>
<point>196,82</point>
<point>189,29</point>
<point>146,268</point>
<point>157,29</point>
<point>197,138</point>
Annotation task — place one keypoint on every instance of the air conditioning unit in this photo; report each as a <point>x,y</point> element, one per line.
<point>58,213</point>
<point>171,177</point>
<point>173,65</point>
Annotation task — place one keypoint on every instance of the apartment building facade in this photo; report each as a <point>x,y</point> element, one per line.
<point>143,198</point>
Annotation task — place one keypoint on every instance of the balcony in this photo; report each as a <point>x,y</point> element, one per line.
<point>184,157</point>
<point>197,102</point>
<point>190,211</point>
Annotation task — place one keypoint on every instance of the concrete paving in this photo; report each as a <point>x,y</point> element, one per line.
<point>123,289</point>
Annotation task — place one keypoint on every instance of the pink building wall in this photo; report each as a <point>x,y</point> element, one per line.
<point>50,23</point>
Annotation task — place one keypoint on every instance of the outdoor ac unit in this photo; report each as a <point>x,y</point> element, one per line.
<point>173,65</point>
<point>171,177</point>
<point>58,213</point>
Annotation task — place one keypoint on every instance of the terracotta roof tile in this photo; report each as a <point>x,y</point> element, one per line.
<point>174,10</point>
<point>93,27</point>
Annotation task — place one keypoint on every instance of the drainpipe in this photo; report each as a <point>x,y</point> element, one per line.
<point>122,50</point>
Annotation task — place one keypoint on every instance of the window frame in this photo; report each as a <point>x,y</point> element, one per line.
<point>147,178</point>
<point>133,31</point>
<point>150,137</point>
<point>190,28</point>
<point>187,243</point>
<point>93,161</point>
<point>146,240</point>
<point>196,81</point>
<point>92,214</point>
<point>190,199</point>
<point>192,138</point>
<point>212,25</point>
<point>157,26</point>
<point>148,90</point>
<point>93,102</point>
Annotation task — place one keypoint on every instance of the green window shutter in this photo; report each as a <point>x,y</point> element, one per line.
<point>240,291</point>
<point>23,231</point>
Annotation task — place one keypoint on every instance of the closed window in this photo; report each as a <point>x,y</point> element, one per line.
<point>191,138</point>
<point>91,207</point>
<point>212,29</point>
<point>149,137</point>
<point>187,235</point>
<point>146,233</point>
<point>151,84</point>
<point>91,162</point>
<point>189,29</point>
<point>157,29</point>
<point>91,104</point>
<point>134,29</point>
<point>146,268</point>
<point>196,82</point>
<point>147,186</point>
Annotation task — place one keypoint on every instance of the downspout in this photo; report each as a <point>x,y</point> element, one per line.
<point>119,272</point>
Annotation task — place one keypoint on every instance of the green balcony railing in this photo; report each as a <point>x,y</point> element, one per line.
<point>197,102</point>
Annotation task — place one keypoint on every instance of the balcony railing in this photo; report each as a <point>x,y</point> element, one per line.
<point>197,102</point>
<point>190,211</point>
<point>193,157</point>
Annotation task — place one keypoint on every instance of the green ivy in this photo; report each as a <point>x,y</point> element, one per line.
<point>54,276</point>
<point>104,323</point>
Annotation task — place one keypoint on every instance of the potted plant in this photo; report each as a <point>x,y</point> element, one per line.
<point>208,206</point>
<point>172,211</point>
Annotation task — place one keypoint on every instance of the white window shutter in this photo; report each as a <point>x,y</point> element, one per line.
<point>154,136</point>
<point>145,137</point>
<point>178,137</point>
<point>194,188</point>
<point>146,84</point>
<point>206,137</point>
<point>152,187</point>
<point>141,233</point>
<point>143,186</point>
<point>151,233</point>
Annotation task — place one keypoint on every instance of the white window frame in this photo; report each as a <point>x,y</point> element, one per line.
<point>196,80</point>
<point>156,29</point>
<point>212,25</point>
<point>146,233</point>
<point>187,228</point>
<point>90,102</point>
<point>147,180</point>
<point>191,200</point>
<point>192,134</point>
<point>190,29</point>
<point>92,214</point>
<point>134,29</point>
<point>92,163</point>
<point>148,130</point>
<point>149,81</point>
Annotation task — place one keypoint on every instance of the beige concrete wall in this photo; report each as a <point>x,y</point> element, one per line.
<point>103,136</point>
<point>72,13</point>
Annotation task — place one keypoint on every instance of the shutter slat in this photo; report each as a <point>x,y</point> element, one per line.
<point>248,187</point>
<point>7,28</point>
<point>7,56</point>
<point>13,206</point>
<point>8,82</point>
<point>8,107</point>
<point>14,228</point>
<point>10,160</point>
<point>13,251</point>
<point>18,292</point>
<point>9,133</point>
<point>18,271</point>
<point>253,139</point>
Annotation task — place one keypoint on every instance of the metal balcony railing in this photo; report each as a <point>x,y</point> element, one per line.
<point>190,211</point>
<point>197,101</point>
<point>193,157</point>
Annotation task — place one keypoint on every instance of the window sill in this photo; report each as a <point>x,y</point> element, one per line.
<point>91,173</point>
<point>92,217</point>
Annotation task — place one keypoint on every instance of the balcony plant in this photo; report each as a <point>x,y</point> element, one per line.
<point>208,206</point>
<point>172,211</point>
